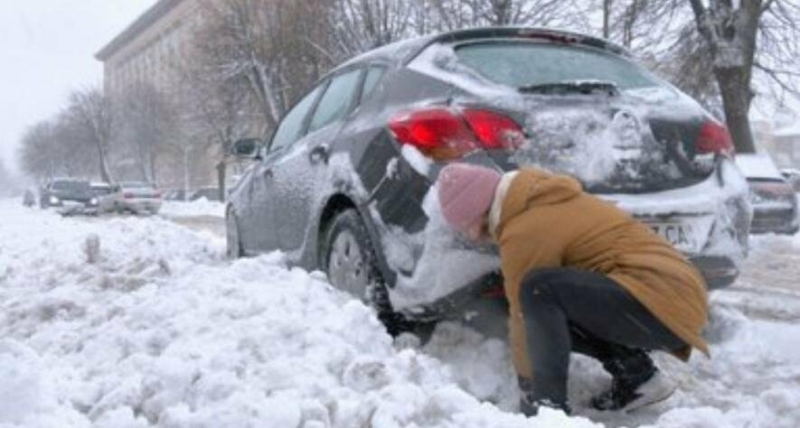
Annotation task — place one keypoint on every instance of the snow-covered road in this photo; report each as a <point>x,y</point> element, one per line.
<point>152,327</point>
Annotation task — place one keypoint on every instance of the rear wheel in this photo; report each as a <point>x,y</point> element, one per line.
<point>348,258</point>
<point>233,243</point>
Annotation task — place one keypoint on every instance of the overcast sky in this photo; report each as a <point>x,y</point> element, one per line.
<point>47,49</point>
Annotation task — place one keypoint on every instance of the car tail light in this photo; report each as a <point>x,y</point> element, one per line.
<point>714,138</point>
<point>128,195</point>
<point>494,131</point>
<point>445,133</point>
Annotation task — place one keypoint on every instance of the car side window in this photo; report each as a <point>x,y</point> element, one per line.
<point>291,126</point>
<point>374,75</point>
<point>336,101</point>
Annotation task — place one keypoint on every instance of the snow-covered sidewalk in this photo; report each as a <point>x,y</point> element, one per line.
<point>154,328</point>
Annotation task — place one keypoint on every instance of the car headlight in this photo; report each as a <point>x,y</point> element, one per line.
<point>93,201</point>
<point>54,200</point>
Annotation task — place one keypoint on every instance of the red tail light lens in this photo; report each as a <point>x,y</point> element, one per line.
<point>494,131</point>
<point>444,133</point>
<point>127,195</point>
<point>714,138</point>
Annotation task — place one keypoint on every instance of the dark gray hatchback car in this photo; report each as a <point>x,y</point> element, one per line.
<point>346,183</point>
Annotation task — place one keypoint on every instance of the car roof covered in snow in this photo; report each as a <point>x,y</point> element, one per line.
<point>401,52</point>
<point>758,165</point>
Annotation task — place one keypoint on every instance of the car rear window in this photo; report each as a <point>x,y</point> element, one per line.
<point>520,64</point>
<point>73,186</point>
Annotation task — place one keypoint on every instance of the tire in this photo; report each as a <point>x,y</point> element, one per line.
<point>348,257</point>
<point>232,240</point>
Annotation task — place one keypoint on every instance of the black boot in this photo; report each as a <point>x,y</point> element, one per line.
<point>529,403</point>
<point>635,383</point>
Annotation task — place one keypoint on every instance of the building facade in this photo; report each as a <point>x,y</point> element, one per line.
<point>152,51</point>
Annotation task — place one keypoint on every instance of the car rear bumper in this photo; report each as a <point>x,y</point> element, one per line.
<point>783,221</point>
<point>719,272</point>
<point>141,205</point>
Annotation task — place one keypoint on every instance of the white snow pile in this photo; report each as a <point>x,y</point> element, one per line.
<point>199,207</point>
<point>152,327</point>
<point>162,331</point>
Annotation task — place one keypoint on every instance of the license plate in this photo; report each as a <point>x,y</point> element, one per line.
<point>680,235</point>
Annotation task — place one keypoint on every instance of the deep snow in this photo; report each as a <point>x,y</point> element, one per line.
<point>161,330</point>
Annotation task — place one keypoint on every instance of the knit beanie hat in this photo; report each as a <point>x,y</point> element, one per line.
<point>465,193</point>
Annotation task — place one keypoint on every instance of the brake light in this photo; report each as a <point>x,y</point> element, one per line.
<point>494,131</point>
<point>714,138</point>
<point>445,133</point>
<point>128,195</point>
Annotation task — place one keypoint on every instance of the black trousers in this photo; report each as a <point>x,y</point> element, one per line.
<point>586,312</point>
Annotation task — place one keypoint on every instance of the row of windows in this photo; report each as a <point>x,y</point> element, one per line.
<point>335,104</point>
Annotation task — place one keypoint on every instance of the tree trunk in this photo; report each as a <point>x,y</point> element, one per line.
<point>735,90</point>
<point>221,167</point>
<point>606,19</point>
<point>105,175</point>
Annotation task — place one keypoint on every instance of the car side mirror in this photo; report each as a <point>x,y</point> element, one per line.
<point>246,148</point>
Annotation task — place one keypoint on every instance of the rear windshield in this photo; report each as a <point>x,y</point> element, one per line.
<point>72,186</point>
<point>520,64</point>
<point>138,186</point>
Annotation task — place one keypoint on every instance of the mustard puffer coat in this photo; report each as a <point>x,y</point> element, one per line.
<point>546,220</point>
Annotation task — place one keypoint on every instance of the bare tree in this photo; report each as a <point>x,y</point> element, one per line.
<point>90,112</point>
<point>360,25</point>
<point>147,124</point>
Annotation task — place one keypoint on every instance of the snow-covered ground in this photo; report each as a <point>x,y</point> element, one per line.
<point>133,322</point>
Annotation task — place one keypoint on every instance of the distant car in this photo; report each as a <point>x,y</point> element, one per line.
<point>69,196</point>
<point>139,198</point>
<point>108,196</point>
<point>773,199</point>
<point>174,195</point>
<point>793,177</point>
<point>210,193</point>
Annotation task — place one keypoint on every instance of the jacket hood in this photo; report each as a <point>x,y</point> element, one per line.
<point>533,188</point>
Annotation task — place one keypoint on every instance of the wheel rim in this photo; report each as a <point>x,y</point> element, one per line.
<point>232,235</point>
<point>346,265</point>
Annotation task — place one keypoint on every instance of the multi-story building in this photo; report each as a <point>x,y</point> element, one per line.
<point>151,48</point>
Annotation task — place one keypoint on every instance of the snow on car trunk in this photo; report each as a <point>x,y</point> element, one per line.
<point>153,327</point>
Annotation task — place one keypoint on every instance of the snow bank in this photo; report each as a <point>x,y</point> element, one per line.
<point>161,330</point>
<point>200,207</point>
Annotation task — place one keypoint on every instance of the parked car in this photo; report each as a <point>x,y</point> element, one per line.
<point>346,182</point>
<point>792,176</point>
<point>174,195</point>
<point>210,193</point>
<point>139,198</point>
<point>773,199</point>
<point>68,196</point>
<point>109,196</point>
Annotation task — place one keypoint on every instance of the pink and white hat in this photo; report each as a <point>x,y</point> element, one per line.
<point>465,193</point>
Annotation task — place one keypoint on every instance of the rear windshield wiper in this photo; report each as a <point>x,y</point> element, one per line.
<point>580,87</point>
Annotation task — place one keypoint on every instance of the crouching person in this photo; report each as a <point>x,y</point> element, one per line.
<point>580,275</point>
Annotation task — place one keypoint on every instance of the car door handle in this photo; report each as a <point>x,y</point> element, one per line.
<point>319,154</point>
